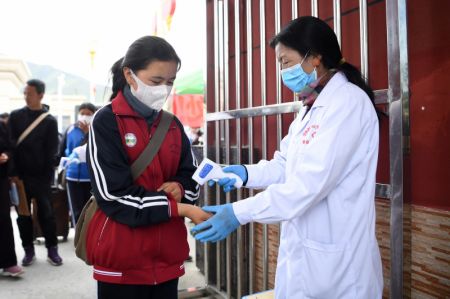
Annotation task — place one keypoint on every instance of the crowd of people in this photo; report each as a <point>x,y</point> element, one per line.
<point>320,185</point>
<point>30,149</point>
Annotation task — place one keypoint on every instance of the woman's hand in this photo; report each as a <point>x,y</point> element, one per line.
<point>3,158</point>
<point>223,223</point>
<point>172,188</point>
<point>83,126</point>
<point>196,214</point>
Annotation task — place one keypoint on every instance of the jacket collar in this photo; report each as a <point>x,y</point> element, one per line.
<point>324,99</point>
<point>120,106</point>
<point>326,95</point>
<point>44,108</point>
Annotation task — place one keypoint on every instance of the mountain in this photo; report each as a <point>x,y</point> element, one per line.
<point>74,85</point>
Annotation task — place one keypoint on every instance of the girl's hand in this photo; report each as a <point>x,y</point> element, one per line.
<point>83,126</point>
<point>196,214</point>
<point>172,188</point>
<point>3,158</point>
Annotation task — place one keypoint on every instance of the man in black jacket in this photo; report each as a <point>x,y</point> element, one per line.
<point>34,159</point>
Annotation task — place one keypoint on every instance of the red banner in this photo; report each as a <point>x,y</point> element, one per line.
<point>189,109</point>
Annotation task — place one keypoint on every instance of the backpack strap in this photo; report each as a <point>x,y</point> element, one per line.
<point>31,127</point>
<point>152,148</point>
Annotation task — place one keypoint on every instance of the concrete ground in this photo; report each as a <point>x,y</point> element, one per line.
<point>73,279</point>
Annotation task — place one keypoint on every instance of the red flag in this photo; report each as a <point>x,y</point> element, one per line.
<point>168,12</point>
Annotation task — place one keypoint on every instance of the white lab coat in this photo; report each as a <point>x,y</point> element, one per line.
<point>321,186</point>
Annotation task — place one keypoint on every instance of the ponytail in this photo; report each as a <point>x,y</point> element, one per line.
<point>118,79</point>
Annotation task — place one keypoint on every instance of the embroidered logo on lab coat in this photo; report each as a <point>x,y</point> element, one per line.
<point>309,133</point>
<point>130,139</point>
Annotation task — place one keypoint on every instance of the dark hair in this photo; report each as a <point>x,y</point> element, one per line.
<point>312,35</point>
<point>88,106</point>
<point>38,84</point>
<point>139,55</point>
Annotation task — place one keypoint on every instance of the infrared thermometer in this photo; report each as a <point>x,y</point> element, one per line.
<point>208,170</point>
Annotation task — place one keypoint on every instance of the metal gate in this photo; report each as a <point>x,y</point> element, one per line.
<point>235,108</point>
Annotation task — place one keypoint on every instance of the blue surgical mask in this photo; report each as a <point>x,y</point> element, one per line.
<point>295,78</point>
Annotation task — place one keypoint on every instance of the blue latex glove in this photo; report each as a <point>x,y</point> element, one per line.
<point>228,183</point>
<point>219,226</point>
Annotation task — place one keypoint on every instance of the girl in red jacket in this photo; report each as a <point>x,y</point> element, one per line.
<point>137,239</point>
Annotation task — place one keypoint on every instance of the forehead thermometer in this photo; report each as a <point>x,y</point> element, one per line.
<point>208,170</point>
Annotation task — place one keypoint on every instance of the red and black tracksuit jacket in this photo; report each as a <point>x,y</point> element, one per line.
<point>136,236</point>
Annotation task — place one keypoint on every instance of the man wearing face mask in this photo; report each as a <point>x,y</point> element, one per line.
<point>77,177</point>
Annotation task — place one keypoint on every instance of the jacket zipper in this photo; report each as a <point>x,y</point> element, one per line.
<point>151,174</point>
<point>103,228</point>
<point>157,254</point>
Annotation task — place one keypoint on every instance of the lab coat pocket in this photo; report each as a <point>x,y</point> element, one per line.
<point>327,271</point>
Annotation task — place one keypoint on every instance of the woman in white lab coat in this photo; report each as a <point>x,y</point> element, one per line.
<point>321,183</point>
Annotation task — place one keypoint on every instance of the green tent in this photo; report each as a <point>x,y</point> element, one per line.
<point>192,83</point>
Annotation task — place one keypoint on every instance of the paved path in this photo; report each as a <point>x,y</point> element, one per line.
<point>71,280</point>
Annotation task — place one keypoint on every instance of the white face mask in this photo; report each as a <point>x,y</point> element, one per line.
<point>87,119</point>
<point>152,96</point>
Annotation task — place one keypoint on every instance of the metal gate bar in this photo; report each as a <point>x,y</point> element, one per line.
<point>237,51</point>
<point>226,96</point>
<point>363,39</point>
<point>314,8</point>
<point>398,78</point>
<point>262,47</point>
<point>381,97</point>
<point>250,138</point>
<point>337,19</point>
<point>294,9</point>
<point>217,36</point>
